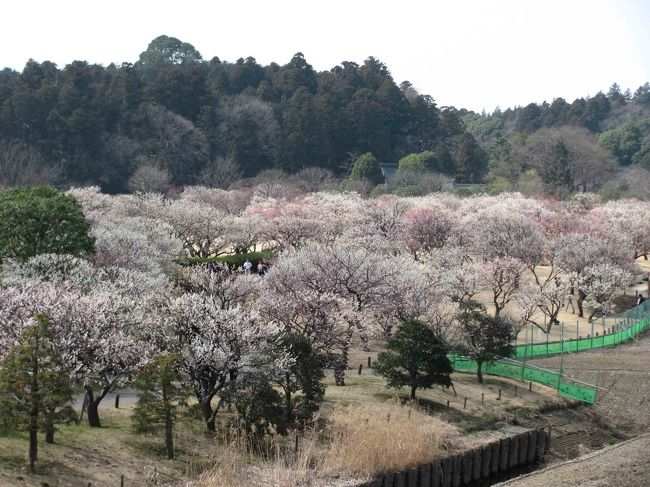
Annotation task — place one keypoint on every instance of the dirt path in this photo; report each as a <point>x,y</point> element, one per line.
<point>623,465</point>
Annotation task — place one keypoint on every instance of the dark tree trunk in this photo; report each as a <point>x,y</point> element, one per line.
<point>93,414</point>
<point>288,407</point>
<point>207,414</point>
<point>479,372</point>
<point>93,403</point>
<point>169,438</point>
<point>34,409</point>
<point>49,428</point>
<point>341,364</point>
<point>581,298</point>
<point>413,388</point>
<point>339,374</point>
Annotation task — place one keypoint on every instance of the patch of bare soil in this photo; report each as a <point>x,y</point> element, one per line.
<point>623,465</point>
<point>624,374</point>
<point>622,411</point>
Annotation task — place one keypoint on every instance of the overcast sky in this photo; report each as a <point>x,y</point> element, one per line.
<point>476,54</point>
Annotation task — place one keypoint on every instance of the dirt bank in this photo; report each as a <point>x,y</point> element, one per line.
<point>623,465</point>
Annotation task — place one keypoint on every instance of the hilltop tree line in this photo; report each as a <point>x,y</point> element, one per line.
<point>594,143</point>
<point>209,121</point>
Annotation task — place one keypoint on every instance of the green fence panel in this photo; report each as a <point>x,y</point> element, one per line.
<point>599,341</point>
<point>504,369</point>
<point>610,340</point>
<point>574,391</point>
<point>548,378</point>
<point>584,344</point>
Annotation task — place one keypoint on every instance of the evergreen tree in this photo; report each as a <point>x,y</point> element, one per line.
<point>258,404</point>
<point>416,358</point>
<point>162,395</point>
<point>304,375</point>
<point>42,220</point>
<point>35,389</point>
<point>367,167</point>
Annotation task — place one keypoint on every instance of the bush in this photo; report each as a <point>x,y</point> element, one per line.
<point>258,404</point>
<point>420,162</point>
<point>367,167</point>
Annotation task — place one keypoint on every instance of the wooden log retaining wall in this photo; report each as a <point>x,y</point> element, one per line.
<point>493,459</point>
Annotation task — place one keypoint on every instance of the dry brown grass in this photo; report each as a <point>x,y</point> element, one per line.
<point>371,439</point>
<point>359,442</point>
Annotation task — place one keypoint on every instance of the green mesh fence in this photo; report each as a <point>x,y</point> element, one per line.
<point>526,372</point>
<point>626,325</point>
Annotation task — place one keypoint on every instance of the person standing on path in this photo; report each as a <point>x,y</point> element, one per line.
<point>248,265</point>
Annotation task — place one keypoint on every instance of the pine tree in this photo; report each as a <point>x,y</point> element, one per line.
<point>416,358</point>
<point>35,390</point>
<point>367,167</point>
<point>162,396</point>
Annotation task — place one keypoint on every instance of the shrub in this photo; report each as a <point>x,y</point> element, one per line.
<point>367,167</point>
<point>258,404</point>
<point>416,358</point>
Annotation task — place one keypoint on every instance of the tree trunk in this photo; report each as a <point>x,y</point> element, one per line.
<point>207,414</point>
<point>93,414</point>
<point>479,372</point>
<point>49,427</point>
<point>341,364</point>
<point>413,388</point>
<point>169,439</point>
<point>33,413</point>
<point>287,399</point>
<point>92,406</point>
<point>581,298</point>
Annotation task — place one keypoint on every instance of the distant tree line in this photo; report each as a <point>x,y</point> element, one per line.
<point>594,143</point>
<point>210,121</point>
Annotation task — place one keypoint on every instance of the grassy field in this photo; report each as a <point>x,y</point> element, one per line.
<point>85,455</point>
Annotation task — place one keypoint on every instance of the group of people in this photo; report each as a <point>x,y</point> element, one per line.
<point>247,268</point>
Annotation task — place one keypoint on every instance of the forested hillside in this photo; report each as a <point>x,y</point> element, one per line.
<point>173,118</point>
<point>209,121</point>
<point>594,143</point>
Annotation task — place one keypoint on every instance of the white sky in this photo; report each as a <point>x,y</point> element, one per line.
<point>468,53</point>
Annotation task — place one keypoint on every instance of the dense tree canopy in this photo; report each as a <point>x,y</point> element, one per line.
<point>171,108</point>
<point>42,220</point>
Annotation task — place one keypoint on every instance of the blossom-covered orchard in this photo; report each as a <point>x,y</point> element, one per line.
<point>345,272</point>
